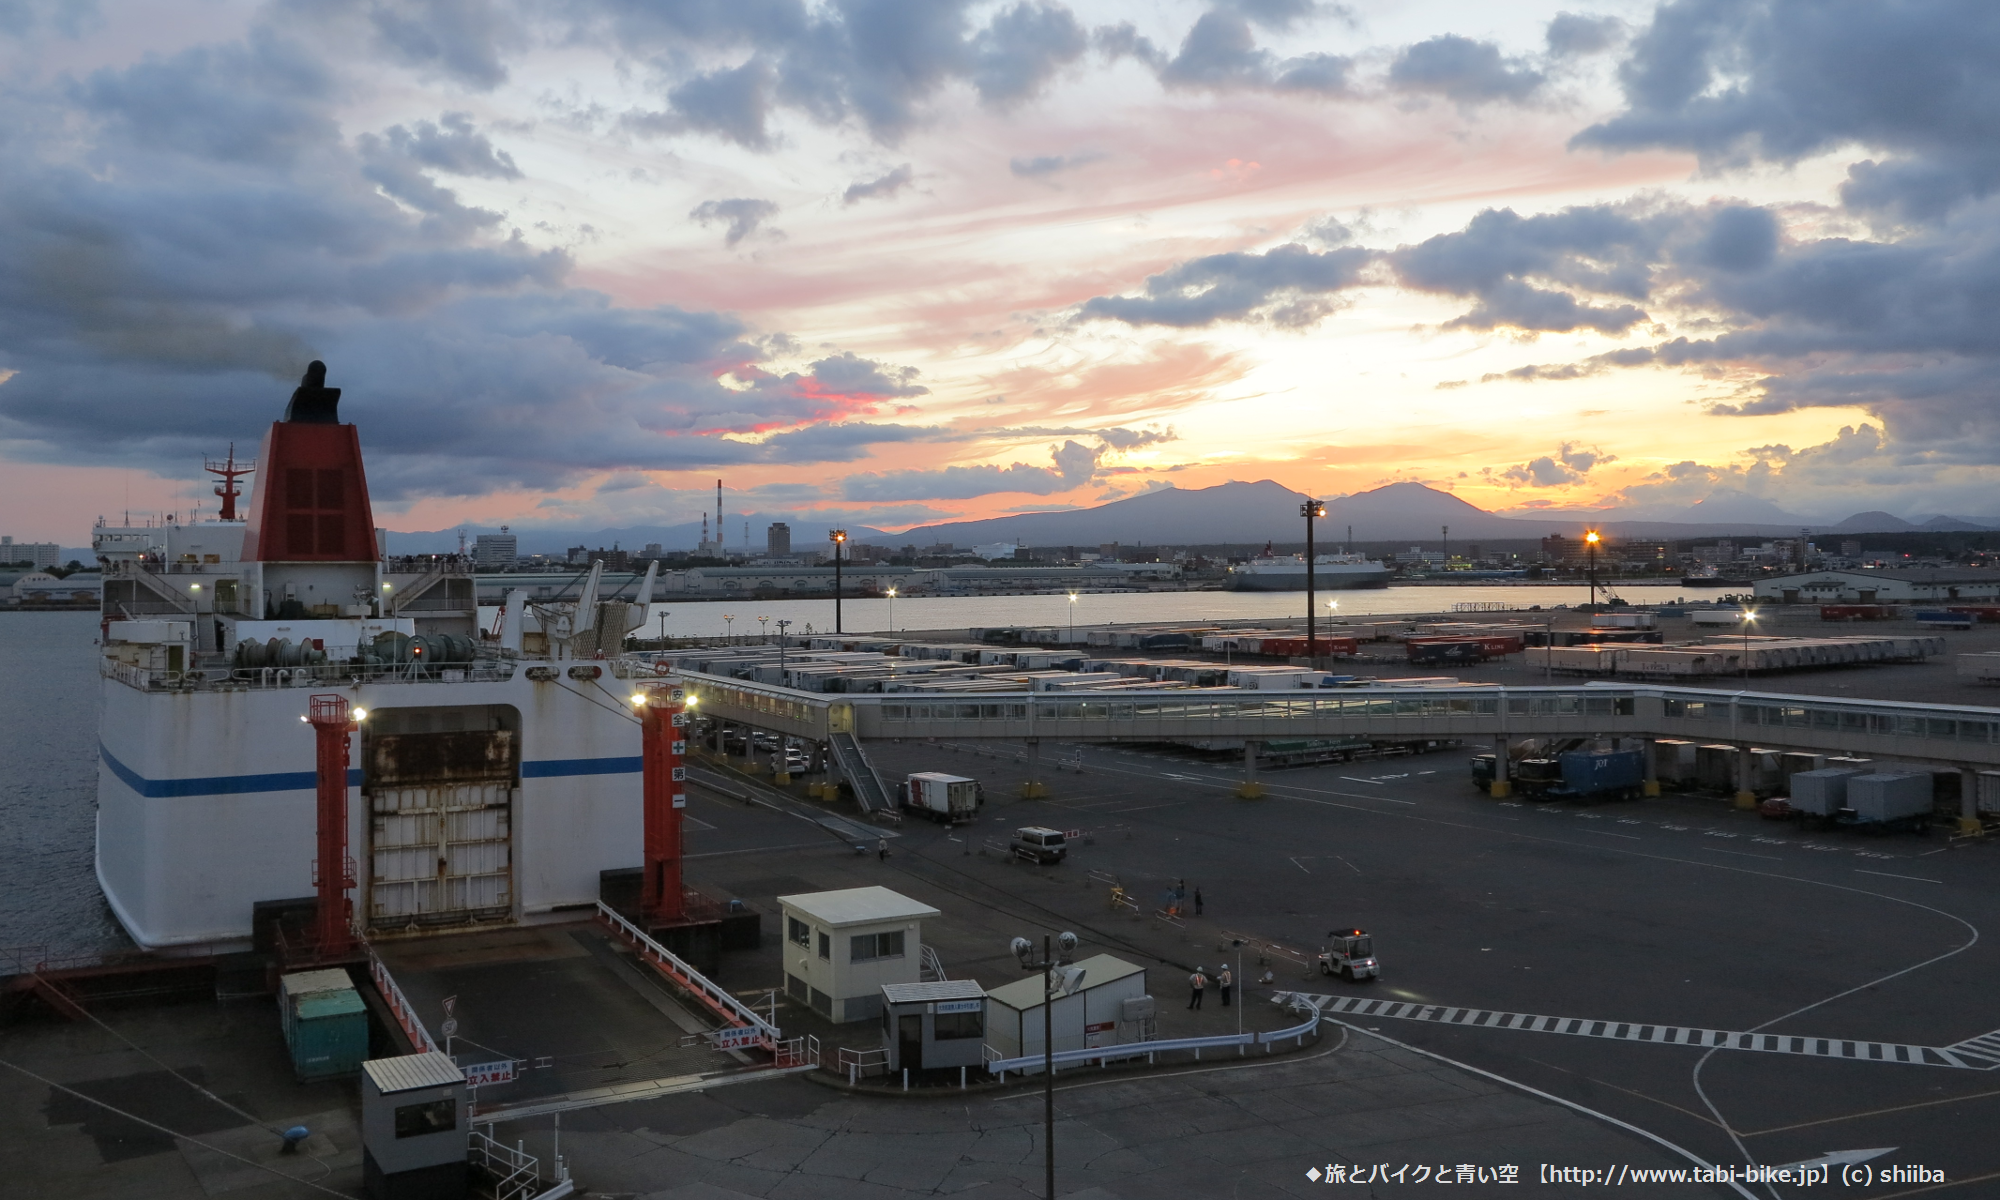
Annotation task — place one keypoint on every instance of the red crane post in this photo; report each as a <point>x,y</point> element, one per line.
<point>333,870</point>
<point>663,719</point>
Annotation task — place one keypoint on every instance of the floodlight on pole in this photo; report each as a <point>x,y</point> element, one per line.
<point>839,539</point>
<point>1590,540</point>
<point>1311,510</point>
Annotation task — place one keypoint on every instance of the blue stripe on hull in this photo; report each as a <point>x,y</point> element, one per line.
<point>305,781</point>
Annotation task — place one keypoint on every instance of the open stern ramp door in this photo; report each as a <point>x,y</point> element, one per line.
<point>441,786</point>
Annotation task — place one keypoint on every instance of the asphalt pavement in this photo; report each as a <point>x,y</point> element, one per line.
<point>1677,911</point>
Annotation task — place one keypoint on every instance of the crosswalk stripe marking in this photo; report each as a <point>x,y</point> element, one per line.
<point>1981,1053</point>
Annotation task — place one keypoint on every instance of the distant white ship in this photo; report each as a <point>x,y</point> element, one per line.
<point>1287,573</point>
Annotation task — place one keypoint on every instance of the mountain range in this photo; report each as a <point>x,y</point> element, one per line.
<point>1253,513</point>
<point>1236,513</point>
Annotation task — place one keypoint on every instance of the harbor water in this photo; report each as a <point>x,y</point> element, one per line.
<point>48,792</point>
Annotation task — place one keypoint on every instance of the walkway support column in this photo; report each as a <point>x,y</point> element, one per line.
<point>1652,784</point>
<point>1503,774</point>
<point>663,794</point>
<point>1745,798</point>
<point>1033,788</point>
<point>1968,800</point>
<point>333,869</point>
<point>1250,789</point>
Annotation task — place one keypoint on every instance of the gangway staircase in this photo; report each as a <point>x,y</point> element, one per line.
<point>869,791</point>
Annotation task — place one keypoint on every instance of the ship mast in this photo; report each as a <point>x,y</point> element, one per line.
<point>227,489</point>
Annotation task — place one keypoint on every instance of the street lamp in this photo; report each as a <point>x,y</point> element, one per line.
<point>1311,510</point>
<point>892,610</point>
<point>1590,542</point>
<point>1052,963</point>
<point>839,538</point>
<point>1072,620</point>
<point>764,629</point>
<point>729,628</point>
<point>782,623</point>
<point>1749,619</point>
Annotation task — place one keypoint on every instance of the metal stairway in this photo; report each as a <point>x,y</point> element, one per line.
<point>869,791</point>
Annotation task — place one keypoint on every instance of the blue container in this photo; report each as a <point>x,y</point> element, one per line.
<point>1600,772</point>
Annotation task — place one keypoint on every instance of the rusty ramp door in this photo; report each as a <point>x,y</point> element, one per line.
<point>441,786</point>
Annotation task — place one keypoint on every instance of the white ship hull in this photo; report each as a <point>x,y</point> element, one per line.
<point>1289,575</point>
<point>206,806</point>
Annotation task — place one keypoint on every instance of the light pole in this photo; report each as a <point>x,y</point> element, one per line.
<point>1025,951</point>
<point>839,538</point>
<point>764,629</point>
<point>1237,979</point>
<point>663,629</point>
<point>892,610</point>
<point>1311,510</point>
<point>1590,542</point>
<point>782,622</point>
<point>729,628</point>
<point>1072,620</point>
<point>1749,619</point>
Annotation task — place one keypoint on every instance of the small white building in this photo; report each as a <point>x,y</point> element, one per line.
<point>1892,586</point>
<point>1087,1017</point>
<point>842,946</point>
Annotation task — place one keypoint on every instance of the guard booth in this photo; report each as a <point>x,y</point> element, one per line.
<point>926,1026</point>
<point>416,1128</point>
<point>842,946</point>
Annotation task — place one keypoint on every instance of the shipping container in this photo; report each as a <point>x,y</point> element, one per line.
<point>1674,762</point>
<point>1821,793</point>
<point>1857,612</point>
<point>325,1024</point>
<point>946,798</point>
<point>1944,619</point>
<point>1887,799</point>
<point>1601,774</point>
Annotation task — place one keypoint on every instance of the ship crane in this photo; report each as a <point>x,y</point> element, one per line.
<point>230,473</point>
<point>572,625</point>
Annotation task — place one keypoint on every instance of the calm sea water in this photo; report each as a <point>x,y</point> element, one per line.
<point>48,712</point>
<point>708,618</point>
<point>48,786</point>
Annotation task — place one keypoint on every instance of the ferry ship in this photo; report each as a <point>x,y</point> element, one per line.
<point>495,775</point>
<point>1287,573</point>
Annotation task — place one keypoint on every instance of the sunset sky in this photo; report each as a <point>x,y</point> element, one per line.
<point>899,261</point>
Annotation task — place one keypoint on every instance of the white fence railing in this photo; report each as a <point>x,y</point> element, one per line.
<point>1105,1054</point>
<point>516,1174</point>
<point>706,990</point>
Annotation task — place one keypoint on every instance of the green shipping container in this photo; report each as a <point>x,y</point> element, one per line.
<point>326,1024</point>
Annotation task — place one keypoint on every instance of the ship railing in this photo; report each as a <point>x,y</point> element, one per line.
<point>213,673</point>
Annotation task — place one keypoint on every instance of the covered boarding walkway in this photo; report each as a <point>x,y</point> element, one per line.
<point>1947,736</point>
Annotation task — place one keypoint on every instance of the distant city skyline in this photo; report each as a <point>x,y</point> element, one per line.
<point>900,262</point>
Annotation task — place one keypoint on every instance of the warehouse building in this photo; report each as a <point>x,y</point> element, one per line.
<point>1882,587</point>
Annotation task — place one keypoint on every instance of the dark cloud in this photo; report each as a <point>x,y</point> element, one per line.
<point>1041,166</point>
<point>1572,35</point>
<point>882,187</point>
<point>1290,286</point>
<point>1464,70</point>
<point>1022,49</point>
<point>260,101</point>
<point>1522,270</point>
<point>1221,53</point>
<point>1783,80</point>
<point>184,234</point>
<point>461,39</point>
<point>743,214</point>
<point>734,104</point>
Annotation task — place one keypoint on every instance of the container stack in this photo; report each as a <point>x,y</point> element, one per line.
<point>325,1023</point>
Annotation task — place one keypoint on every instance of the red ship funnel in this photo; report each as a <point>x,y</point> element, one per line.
<point>312,497</point>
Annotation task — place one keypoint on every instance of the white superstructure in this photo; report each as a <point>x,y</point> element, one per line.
<point>486,784</point>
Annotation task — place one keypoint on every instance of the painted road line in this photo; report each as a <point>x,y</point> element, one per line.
<point>1981,1053</point>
